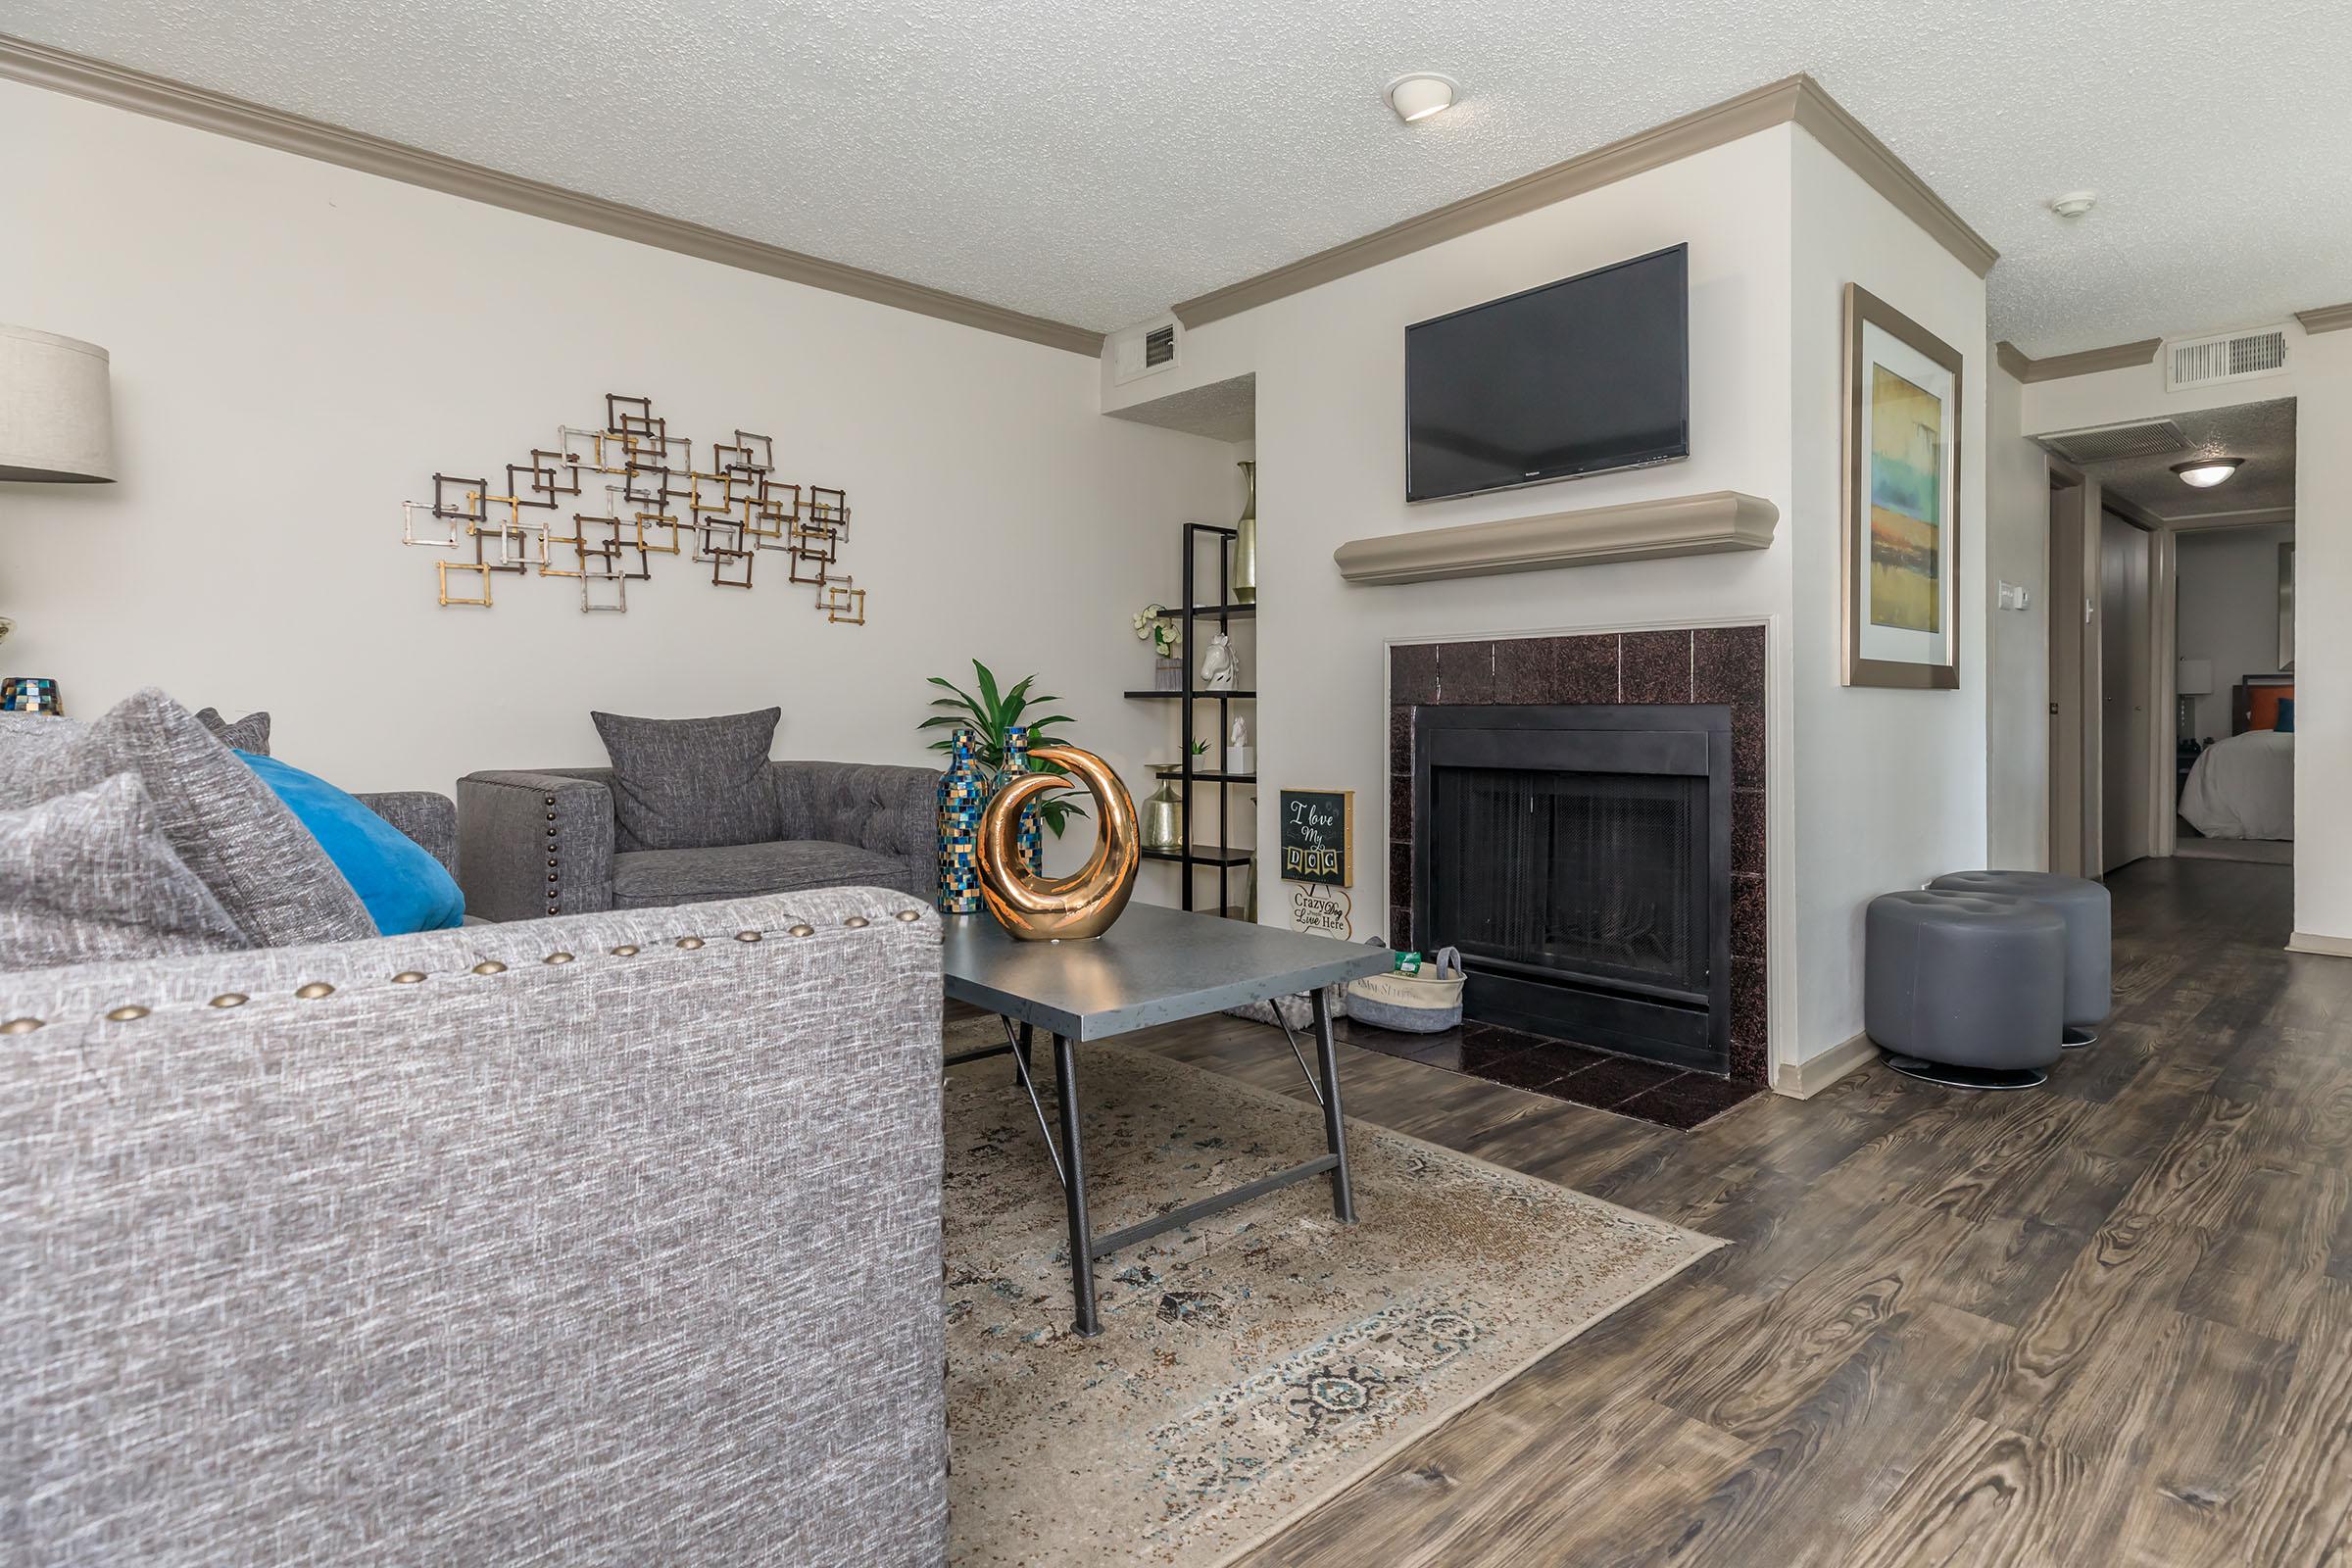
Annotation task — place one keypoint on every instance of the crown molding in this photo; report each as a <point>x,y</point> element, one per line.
<point>2242,517</point>
<point>121,88</point>
<point>2327,319</point>
<point>1852,144</point>
<point>1798,100</point>
<point>2090,362</point>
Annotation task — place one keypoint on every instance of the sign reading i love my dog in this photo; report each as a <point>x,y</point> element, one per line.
<point>1318,836</point>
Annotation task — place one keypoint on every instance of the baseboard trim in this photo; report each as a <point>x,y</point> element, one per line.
<point>2325,947</point>
<point>1802,1080</point>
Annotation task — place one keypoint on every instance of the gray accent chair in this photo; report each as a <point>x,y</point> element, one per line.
<point>608,1237</point>
<point>545,842</point>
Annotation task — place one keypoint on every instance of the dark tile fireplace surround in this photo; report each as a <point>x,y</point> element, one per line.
<point>1642,822</point>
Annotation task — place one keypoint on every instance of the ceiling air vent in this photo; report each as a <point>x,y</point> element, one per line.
<point>2104,443</point>
<point>2225,356</point>
<point>1141,351</point>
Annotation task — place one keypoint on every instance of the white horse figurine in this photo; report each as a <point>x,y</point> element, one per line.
<point>1220,668</point>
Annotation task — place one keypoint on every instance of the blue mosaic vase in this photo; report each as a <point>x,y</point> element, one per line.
<point>963,790</point>
<point>1031,839</point>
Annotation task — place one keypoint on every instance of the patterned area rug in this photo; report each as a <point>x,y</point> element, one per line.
<point>1253,1366</point>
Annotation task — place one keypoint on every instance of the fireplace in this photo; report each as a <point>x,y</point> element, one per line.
<point>1580,855</point>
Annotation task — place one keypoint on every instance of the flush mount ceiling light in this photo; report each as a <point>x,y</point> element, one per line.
<point>2206,472</point>
<point>2075,203</point>
<point>1421,94</point>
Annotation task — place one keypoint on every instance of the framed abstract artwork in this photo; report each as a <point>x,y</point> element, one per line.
<point>1902,557</point>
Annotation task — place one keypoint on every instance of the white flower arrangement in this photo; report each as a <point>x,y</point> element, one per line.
<point>1159,625</point>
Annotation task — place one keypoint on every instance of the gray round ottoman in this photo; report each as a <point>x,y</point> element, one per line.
<point>2083,905</point>
<point>1965,989</point>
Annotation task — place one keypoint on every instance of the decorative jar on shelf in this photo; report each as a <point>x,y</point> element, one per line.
<point>1245,544</point>
<point>1167,674</point>
<point>1163,817</point>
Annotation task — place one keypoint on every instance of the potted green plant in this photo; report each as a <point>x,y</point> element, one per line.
<point>990,712</point>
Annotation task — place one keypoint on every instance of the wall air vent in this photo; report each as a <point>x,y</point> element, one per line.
<point>2225,356</point>
<point>2104,443</point>
<point>1145,350</point>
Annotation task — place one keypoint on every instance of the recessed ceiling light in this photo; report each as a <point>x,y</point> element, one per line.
<point>1421,94</point>
<point>2206,472</point>
<point>2075,203</point>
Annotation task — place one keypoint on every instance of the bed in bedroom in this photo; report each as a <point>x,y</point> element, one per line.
<point>2245,787</point>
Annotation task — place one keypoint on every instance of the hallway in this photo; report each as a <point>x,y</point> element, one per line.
<point>2107,1322</point>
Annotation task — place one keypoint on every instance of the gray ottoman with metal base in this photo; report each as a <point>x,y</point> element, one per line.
<point>1965,989</point>
<point>2082,906</point>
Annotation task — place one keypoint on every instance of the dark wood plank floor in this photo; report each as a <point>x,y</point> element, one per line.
<point>2107,1322</point>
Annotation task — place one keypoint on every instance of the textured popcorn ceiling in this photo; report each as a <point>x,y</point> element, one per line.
<point>2262,433</point>
<point>1094,162</point>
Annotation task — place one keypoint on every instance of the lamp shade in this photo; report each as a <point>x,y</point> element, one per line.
<point>56,419</point>
<point>2193,677</point>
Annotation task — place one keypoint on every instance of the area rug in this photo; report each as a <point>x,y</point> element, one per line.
<point>1253,1365</point>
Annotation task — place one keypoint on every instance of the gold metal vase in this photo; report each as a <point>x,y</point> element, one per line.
<point>1040,909</point>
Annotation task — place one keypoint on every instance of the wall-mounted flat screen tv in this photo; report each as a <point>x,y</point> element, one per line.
<point>1578,377</point>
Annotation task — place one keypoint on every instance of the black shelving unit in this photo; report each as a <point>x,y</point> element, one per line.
<point>1191,856</point>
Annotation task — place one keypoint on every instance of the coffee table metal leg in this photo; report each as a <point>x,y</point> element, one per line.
<point>1019,1071</point>
<point>1073,1164</point>
<point>1335,1131</point>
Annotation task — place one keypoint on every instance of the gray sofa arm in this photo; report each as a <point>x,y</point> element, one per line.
<point>889,811</point>
<point>526,1234</point>
<point>427,818</point>
<point>535,844</point>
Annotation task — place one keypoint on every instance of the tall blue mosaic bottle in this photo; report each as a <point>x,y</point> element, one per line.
<point>1031,837</point>
<point>963,790</point>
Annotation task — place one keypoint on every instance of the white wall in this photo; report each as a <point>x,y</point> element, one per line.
<point>297,348</point>
<point>1330,366</point>
<point>2016,675</point>
<point>2229,588</point>
<point>1890,784</point>
<point>2320,380</point>
<point>1869,788</point>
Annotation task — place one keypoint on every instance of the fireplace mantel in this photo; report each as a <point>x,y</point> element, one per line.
<point>1634,530</point>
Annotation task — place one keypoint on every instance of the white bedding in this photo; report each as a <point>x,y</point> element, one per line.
<point>2243,787</point>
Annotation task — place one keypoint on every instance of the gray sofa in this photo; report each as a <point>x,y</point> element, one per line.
<point>544,841</point>
<point>608,1237</point>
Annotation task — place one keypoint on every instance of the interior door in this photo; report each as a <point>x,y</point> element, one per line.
<point>2124,694</point>
<point>2067,795</point>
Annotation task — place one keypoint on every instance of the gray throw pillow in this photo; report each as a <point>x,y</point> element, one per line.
<point>261,862</point>
<point>89,877</point>
<point>248,734</point>
<point>692,783</point>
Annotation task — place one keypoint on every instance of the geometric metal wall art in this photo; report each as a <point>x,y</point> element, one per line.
<point>723,512</point>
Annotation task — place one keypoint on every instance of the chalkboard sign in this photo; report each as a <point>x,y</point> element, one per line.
<point>1318,836</point>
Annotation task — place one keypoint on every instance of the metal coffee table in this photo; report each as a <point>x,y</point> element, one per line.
<point>1155,966</point>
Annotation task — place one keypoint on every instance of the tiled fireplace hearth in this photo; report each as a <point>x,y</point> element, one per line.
<point>1534,687</point>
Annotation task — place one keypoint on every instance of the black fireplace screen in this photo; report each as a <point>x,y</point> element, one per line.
<point>1588,872</point>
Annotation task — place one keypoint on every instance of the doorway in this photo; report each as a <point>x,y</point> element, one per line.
<point>2126,616</point>
<point>2074,804</point>
<point>2139,682</point>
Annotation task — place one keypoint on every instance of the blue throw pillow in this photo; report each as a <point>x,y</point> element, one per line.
<point>402,886</point>
<point>2286,717</point>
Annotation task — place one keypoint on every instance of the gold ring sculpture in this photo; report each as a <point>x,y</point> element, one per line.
<point>1037,909</point>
